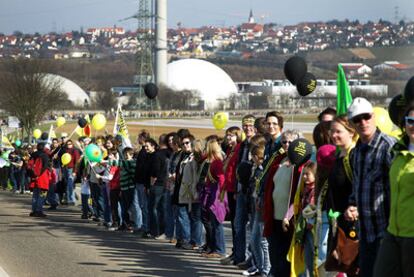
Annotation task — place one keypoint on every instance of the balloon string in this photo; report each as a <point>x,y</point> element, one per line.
<point>86,158</point>
<point>153,120</point>
<point>72,133</point>
<point>293,110</point>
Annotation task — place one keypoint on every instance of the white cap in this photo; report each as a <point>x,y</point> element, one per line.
<point>64,135</point>
<point>359,106</point>
<point>87,140</point>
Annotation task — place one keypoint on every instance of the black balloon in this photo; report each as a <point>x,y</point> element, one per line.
<point>82,122</point>
<point>307,84</point>
<point>396,109</point>
<point>151,90</point>
<point>409,91</point>
<point>44,136</point>
<point>295,68</point>
<point>299,151</point>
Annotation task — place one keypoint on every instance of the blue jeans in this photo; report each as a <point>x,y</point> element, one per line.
<point>107,204</point>
<point>323,238</point>
<point>52,197</point>
<point>196,224</point>
<point>218,243</point>
<point>169,215</point>
<point>183,224</point>
<point>135,209</point>
<point>156,193</point>
<point>86,209</point>
<point>17,179</point>
<point>240,222</point>
<point>70,182</point>
<point>143,204</point>
<point>97,200</point>
<point>259,245</point>
<point>38,199</point>
<point>309,254</point>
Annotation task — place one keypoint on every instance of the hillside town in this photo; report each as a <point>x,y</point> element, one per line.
<point>245,41</point>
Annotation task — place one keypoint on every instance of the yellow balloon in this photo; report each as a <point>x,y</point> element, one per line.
<point>383,120</point>
<point>220,120</point>
<point>98,121</point>
<point>79,131</point>
<point>66,158</point>
<point>37,133</point>
<point>397,133</point>
<point>60,121</point>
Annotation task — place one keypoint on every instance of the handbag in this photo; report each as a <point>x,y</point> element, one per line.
<point>343,255</point>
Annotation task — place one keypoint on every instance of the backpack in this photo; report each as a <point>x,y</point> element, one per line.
<point>34,167</point>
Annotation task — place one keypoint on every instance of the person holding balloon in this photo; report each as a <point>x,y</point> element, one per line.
<point>70,171</point>
<point>111,178</point>
<point>339,188</point>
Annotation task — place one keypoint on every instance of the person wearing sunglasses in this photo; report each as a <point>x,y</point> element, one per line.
<point>369,201</point>
<point>395,254</point>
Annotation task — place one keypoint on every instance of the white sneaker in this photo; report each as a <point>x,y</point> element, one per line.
<point>161,237</point>
<point>251,271</point>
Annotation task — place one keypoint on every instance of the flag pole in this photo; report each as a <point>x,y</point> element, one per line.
<point>116,120</point>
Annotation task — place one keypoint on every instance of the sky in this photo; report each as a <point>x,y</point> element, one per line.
<point>43,16</point>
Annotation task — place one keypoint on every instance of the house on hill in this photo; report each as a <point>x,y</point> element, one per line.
<point>356,69</point>
<point>391,66</point>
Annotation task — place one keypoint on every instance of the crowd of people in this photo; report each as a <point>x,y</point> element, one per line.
<point>347,210</point>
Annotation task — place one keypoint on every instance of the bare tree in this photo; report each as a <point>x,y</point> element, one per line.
<point>105,99</point>
<point>28,92</point>
<point>173,99</point>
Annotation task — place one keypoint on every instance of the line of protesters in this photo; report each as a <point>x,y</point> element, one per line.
<point>345,211</point>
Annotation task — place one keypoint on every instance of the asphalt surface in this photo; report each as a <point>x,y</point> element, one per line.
<point>62,244</point>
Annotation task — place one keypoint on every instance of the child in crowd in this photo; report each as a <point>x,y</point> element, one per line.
<point>112,179</point>
<point>127,185</point>
<point>85,195</point>
<point>308,204</point>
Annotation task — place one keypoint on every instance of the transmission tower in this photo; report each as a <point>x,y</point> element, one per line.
<point>396,14</point>
<point>145,36</point>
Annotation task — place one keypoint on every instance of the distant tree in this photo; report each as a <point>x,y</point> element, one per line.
<point>28,93</point>
<point>17,34</point>
<point>105,100</point>
<point>173,99</point>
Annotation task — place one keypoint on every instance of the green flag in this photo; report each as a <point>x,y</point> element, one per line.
<point>343,96</point>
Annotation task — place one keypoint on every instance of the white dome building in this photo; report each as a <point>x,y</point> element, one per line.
<point>208,80</point>
<point>74,92</point>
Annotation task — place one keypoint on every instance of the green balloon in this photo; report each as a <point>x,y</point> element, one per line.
<point>93,153</point>
<point>333,215</point>
<point>18,143</point>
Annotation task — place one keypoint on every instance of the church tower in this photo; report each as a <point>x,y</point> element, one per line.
<point>251,18</point>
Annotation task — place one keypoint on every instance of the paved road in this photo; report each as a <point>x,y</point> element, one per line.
<point>64,245</point>
<point>304,127</point>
